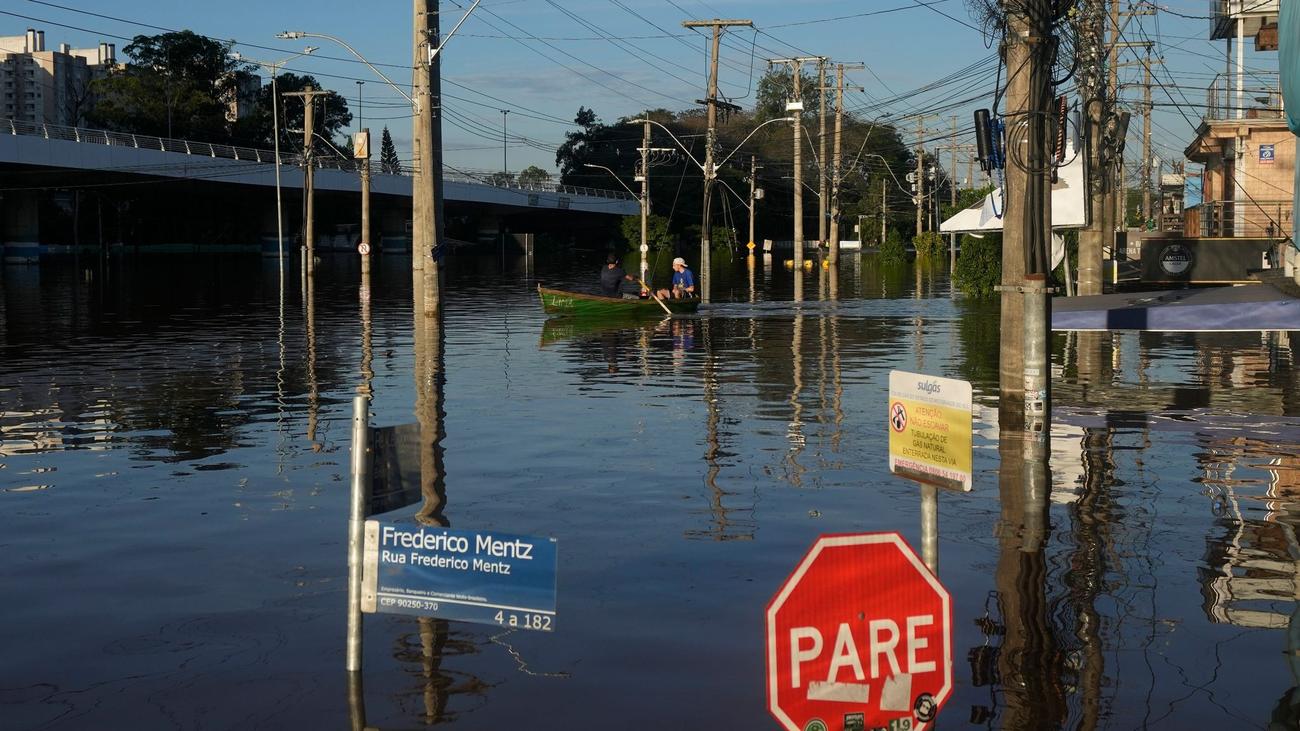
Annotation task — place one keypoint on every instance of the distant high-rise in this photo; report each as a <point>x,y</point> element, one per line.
<point>53,87</point>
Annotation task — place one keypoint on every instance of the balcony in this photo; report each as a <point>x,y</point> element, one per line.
<point>1260,219</point>
<point>1261,97</point>
<point>1254,14</point>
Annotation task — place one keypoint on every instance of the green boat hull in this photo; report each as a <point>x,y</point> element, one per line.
<point>577,304</point>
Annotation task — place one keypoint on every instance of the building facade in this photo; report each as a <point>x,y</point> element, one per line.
<point>54,87</point>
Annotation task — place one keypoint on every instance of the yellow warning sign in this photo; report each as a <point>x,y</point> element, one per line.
<point>930,429</point>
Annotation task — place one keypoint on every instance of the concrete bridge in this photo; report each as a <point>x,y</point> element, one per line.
<point>195,194</point>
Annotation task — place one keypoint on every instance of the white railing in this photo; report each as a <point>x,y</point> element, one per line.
<point>250,154</point>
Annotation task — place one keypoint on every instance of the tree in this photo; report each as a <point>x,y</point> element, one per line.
<point>657,236</point>
<point>533,175</point>
<point>979,266</point>
<point>389,162</point>
<point>177,84</point>
<point>777,87</point>
<point>332,113</point>
<point>929,245</point>
<point>892,250</point>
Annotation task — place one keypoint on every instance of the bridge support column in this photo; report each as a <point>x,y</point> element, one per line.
<point>22,227</point>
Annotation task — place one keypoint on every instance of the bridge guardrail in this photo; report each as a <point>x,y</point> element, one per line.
<point>250,154</point>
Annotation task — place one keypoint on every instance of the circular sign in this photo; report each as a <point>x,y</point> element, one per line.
<point>644,248</point>
<point>363,248</point>
<point>1175,259</point>
<point>861,632</point>
<point>898,416</point>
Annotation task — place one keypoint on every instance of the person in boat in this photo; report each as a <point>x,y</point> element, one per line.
<point>613,280</point>
<point>683,286</point>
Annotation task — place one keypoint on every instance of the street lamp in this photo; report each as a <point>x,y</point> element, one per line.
<point>275,128</point>
<point>645,213</point>
<point>360,84</point>
<point>505,164</point>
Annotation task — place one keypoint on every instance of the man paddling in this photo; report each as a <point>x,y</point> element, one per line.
<point>612,277</point>
<point>683,282</point>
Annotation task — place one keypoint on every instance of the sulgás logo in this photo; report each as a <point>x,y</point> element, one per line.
<point>1175,259</point>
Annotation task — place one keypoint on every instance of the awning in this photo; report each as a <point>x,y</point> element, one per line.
<point>1248,308</point>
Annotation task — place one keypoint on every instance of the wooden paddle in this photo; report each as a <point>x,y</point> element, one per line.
<point>655,296</point>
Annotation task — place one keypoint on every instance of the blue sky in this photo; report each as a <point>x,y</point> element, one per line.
<point>543,58</point>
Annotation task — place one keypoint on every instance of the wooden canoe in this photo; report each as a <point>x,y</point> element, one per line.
<point>560,302</point>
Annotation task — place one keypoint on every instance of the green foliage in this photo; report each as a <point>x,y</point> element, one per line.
<point>892,250</point>
<point>176,85</point>
<point>777,87</point>
<point>389,162</point>
<point>930,245</point>
<point>533,175</point>
<point>723,237</point>
<point>657,235</point>
<point>183,85</point>
<point>979,265</point>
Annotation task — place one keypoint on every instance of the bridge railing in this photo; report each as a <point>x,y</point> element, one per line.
<point>251,154</point>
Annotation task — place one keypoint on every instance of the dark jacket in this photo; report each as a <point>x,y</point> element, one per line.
<point>611,281</point>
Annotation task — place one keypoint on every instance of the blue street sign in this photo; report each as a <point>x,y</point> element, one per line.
<point>1266,154</point>
<point>472,576</point>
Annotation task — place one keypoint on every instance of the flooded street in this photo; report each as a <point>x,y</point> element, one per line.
<point>174,460</point>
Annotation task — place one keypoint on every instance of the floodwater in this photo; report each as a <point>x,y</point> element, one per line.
<point>174,460</point>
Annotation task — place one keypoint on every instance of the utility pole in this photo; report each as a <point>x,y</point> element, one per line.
<point>308,95</point>
<point>1147,108</point>
<point>753,186</point>
<point>645,199</point>
<point>1092,85</point>
<point>711,99</point>
<point>882,211</point>
<point>795,106</point>
<point>821,150</point>
<point>920,172</point>
<point>952,198</point>
<point>362,153</point>
<point>1026,307</point>
<point>837,160</point>
<point>426,138</point>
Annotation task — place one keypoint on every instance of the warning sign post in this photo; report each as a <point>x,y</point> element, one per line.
<point>930,429</point>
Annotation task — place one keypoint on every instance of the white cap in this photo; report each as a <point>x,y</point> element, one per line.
<point>679,261</point>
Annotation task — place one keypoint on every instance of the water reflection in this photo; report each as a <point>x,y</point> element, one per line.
<point>1149,577</point>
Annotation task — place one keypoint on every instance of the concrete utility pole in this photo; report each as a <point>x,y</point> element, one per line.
<point>882,212</point>
<point>1147,109</point>
<point>952,197</point>
<point>427,140</point>
<point>363,154</point>
<point>837,160</point>
<point>645,199</point>
<point>711,99</point>
<point>920,173</point>
<point>795,105</point>
<point>821,150</point>
<point>1093,90</point>
<point>1026,306</point>
<point>308,95</point>
<point>753,186</point>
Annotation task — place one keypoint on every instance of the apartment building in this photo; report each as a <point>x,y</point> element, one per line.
<point>42,86</point>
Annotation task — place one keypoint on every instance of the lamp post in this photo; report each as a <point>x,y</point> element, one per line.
<point>710,168</point>
<point>275,129</point>
<point>360,124</point>
<point>505,162</point>
<point>645,212</point>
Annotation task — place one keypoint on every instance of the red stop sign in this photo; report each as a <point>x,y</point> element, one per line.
<point>859,638</point>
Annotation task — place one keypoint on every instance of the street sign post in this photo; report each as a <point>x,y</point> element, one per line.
<point>859,637</point>
<point>930,429</point>
<point>471,576</point>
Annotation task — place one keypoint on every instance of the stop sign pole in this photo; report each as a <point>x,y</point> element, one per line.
<point>859,637</point>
